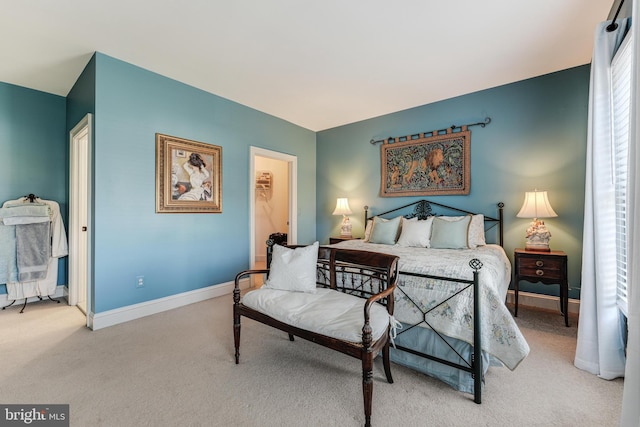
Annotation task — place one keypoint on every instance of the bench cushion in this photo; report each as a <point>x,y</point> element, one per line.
<point>327,312</point>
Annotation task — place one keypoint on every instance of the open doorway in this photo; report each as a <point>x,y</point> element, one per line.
<point>273,201</point>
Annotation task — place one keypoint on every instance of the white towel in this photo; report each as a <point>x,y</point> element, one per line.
<point>13,208</point>
<point>8,268</point>
<point>16,220</point>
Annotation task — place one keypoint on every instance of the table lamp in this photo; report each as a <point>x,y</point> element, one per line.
<point>342,208</point>
<point>536,205</point>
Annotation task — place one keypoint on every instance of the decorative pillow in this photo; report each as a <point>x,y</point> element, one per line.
<point>385,231</point>
<point>476,231</point>
<point>367,230</point>
<point>403,221</point>
<point>475,237</point>
<point>450,234</point>
<point>293,269</point>
<point>415,234</point>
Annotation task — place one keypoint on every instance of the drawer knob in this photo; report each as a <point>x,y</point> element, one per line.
<point>539,263</point>
<point>539,272</point>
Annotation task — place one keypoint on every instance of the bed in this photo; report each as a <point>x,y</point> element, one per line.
<point>450,298</point>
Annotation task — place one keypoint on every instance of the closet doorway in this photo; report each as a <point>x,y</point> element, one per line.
<point>80,143</point>
<point>273,201</point>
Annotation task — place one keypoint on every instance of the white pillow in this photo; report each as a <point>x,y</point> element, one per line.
<point>475,235</point>
<point>293,269</point>
<point>476,231</point>
<point>415,234</point>
<point>367,230</point>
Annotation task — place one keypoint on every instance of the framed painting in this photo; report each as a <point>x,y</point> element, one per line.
<point>188,176</point>
<point>421,165</point>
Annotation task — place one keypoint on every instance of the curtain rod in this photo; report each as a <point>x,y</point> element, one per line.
<point>486,121</point>
<point>613,26</point>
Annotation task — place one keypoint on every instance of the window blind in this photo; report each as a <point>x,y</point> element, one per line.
<point>621,110</point>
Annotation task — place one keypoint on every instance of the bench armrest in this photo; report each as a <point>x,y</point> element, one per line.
<point>242,274</point>
<point>386,293</point>
<point>239,276</point>
<point>366,328</point>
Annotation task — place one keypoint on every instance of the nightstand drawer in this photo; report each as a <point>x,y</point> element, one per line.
<point>544,263</point>
<point>542,273</point>
<point>542,267</point>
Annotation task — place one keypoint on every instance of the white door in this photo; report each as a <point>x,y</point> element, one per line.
<point>79,215</point>
<point>259,207</point>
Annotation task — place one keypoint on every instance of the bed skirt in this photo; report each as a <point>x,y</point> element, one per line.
<point>430,343</point>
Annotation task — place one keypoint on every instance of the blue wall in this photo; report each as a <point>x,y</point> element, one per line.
<point>536,139</point>
<point>33,154</point>
<point>81,99</point>
<point>176,252</point>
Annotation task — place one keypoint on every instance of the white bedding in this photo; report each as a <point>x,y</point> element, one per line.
<point>500,335</point>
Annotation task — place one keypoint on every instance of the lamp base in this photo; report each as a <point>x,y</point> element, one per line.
<point>536,248</point>
<point>537,237</point>
<point>345,229</point>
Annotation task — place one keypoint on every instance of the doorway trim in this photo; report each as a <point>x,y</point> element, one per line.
<point>80,233</point>
<point>292,162</point>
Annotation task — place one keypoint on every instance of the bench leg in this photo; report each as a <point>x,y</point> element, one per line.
<point>367,387</point>
<point>385,362</point>
<point>236,335</point>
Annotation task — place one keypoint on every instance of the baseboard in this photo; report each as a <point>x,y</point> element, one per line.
<point>546,302</point>
<point>147,308</point>
<point>60,293</point>
<point>137,311</point>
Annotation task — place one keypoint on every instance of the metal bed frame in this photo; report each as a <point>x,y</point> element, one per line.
<point>424,209</point>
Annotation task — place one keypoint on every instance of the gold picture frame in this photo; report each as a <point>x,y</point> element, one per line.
<point>188,176</point>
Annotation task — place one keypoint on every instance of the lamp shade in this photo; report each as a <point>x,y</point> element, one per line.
<point>342,207</point>
<point>536,205</point>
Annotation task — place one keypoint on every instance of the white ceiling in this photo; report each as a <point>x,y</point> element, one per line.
<point>318,64</point>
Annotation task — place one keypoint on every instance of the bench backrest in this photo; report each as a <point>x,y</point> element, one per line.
<point>359,273</point>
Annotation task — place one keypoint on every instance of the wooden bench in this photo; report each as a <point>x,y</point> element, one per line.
<point>361,281</point>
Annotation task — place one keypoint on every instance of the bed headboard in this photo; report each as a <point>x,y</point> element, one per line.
<point>422,209</point>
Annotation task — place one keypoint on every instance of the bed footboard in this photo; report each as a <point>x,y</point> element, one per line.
<point>473,366</point>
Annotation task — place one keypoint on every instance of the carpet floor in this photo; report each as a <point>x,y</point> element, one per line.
<point>177,369</point>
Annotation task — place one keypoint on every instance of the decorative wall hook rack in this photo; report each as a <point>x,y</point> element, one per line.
<point>450,129</point>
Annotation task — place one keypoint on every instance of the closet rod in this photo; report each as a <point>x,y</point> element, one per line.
<point>613,26</point>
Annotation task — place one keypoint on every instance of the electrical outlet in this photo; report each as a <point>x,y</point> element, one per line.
<point>139,281</point>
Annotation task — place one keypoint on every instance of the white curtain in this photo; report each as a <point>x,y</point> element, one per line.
<point>600,347</point>
<point>631,396</point>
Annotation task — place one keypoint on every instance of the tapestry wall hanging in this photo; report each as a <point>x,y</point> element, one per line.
<point>422,165</point>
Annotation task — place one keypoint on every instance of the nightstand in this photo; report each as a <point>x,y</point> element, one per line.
<point>549,268</point>
<point>334,240</point>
